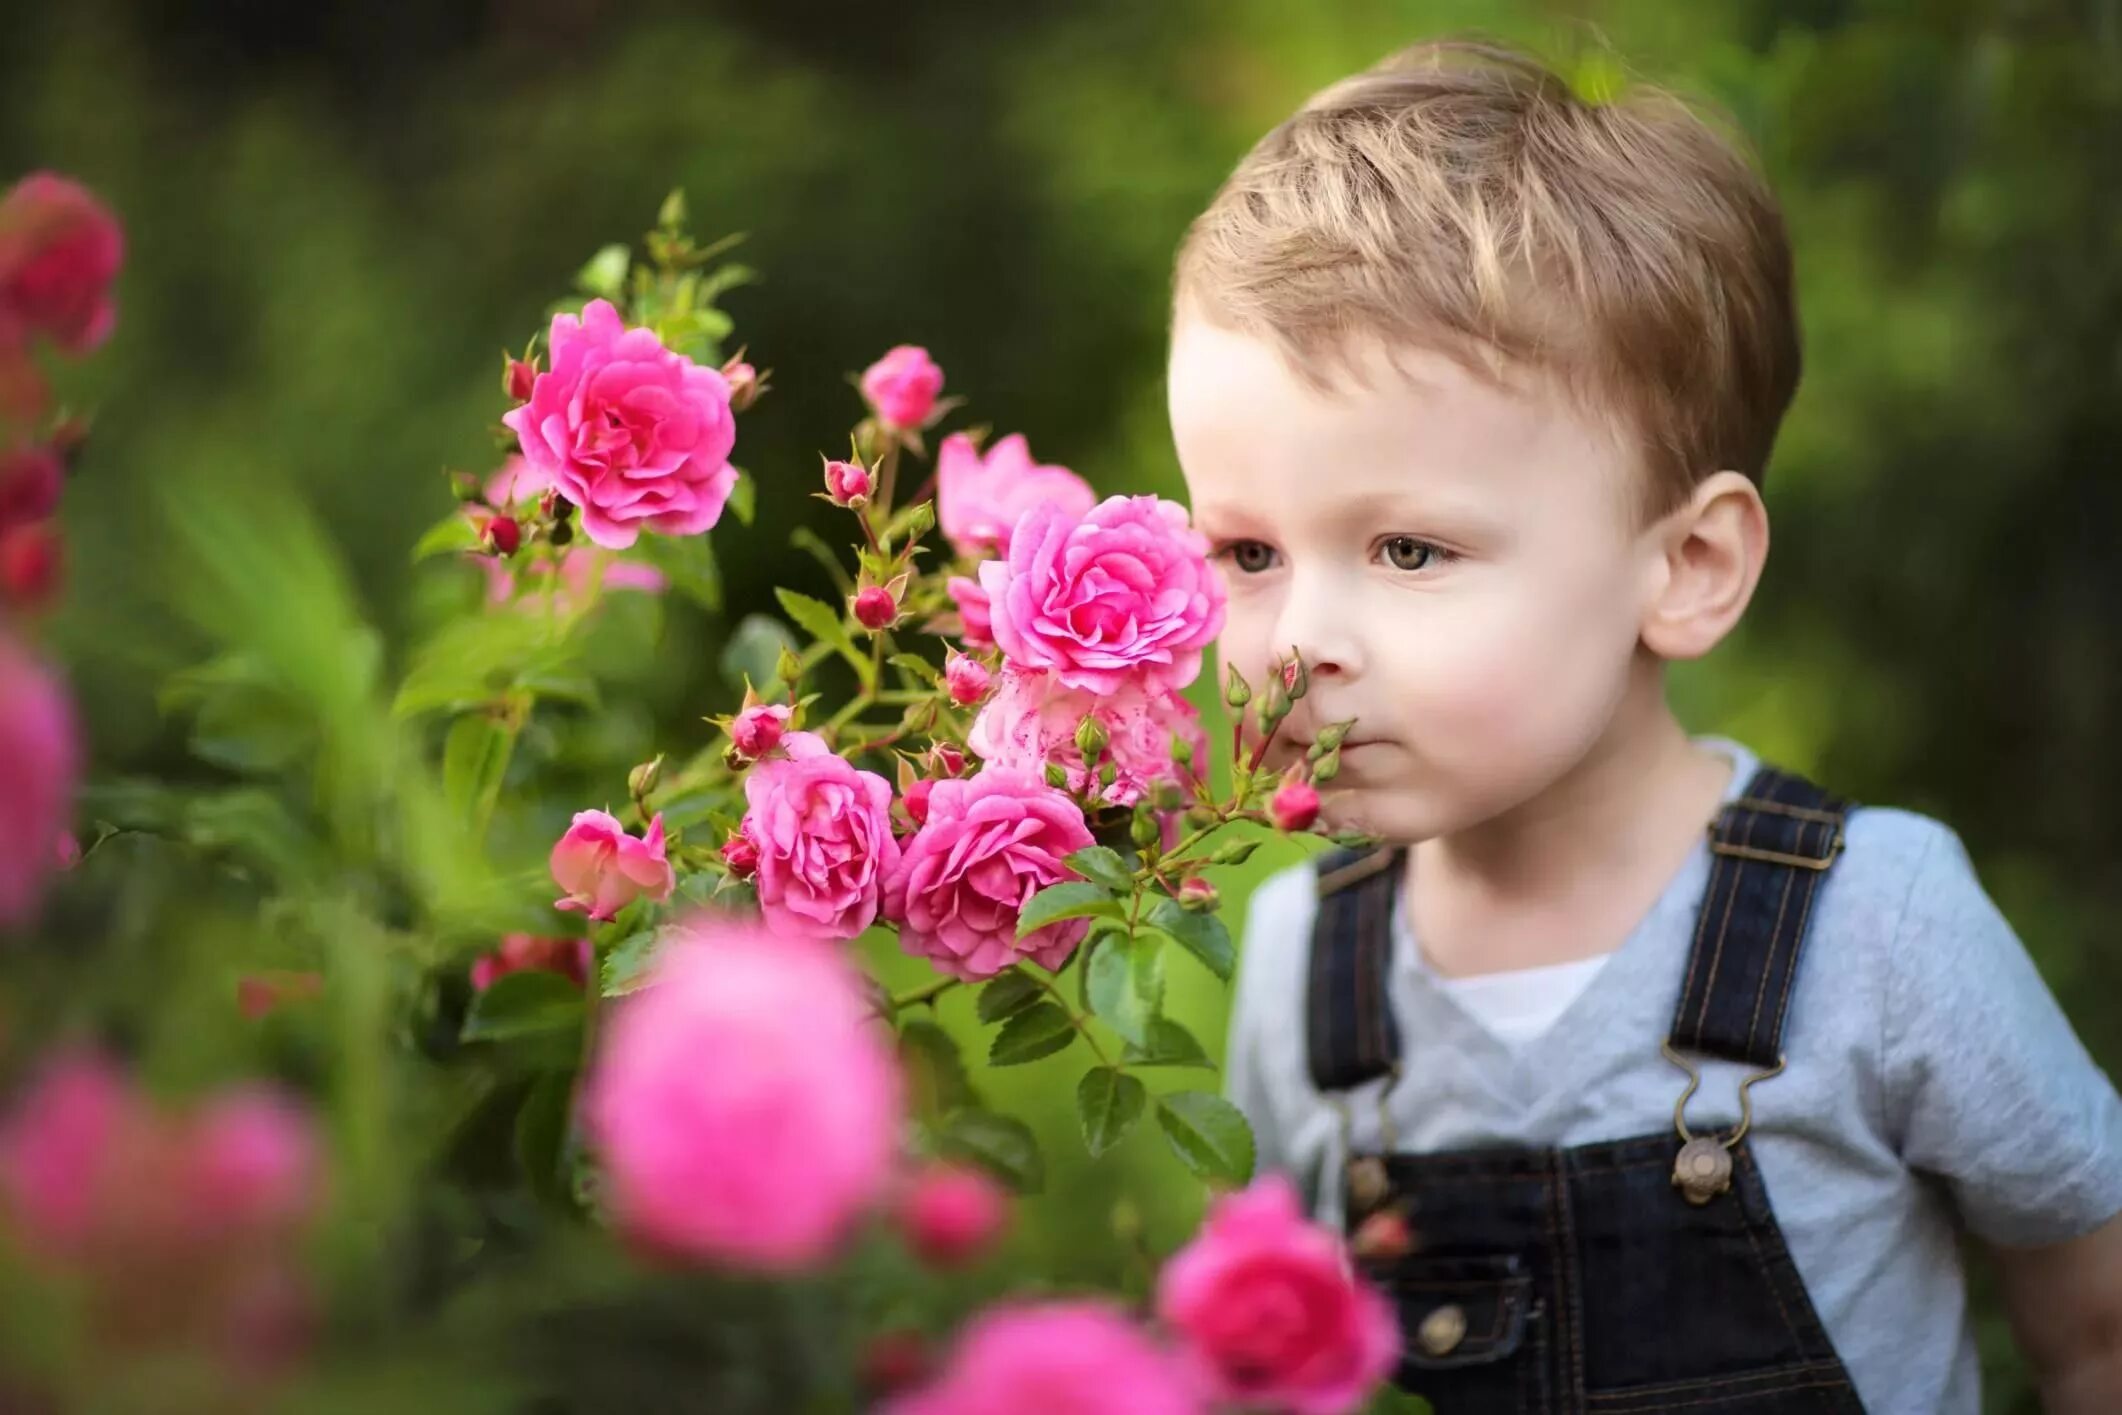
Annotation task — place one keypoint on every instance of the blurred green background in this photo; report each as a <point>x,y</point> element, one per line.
<point>338,216</point>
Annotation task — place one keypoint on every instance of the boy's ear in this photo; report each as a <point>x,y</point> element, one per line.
<point>1706,558</point>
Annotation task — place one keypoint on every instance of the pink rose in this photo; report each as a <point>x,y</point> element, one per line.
<point>916,799</point>
<point>39,757</point>
<point>602,869</point>
<point>56,1147</point>
<point>571,958</point>
<point>253,1164</point>
<point>633,434</point>
<point>60,249</point>
<point>1271,1313</point>
<point>989,844</point>
<point>847,484</point>
<point>978,631</point>
<point>1058,1358</point>
<point>979,500</point>
<point>902,386</point>
<point>1295,805</point>
<point>745,1104</point>
<point>824,835</point>
<point>952,1214</point>
<point>1125,590</point>
<point>1032,719</point>
<point>966,679</point>
<point>758,729</point>
<point>30,481</point>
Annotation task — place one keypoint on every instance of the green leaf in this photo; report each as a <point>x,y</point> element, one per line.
<point>1009,994</point>
<point>1108,1103</point>
<point>921,668</point>
<point>1001,1144</point>
<point>822,623</point>
<point>1202,935</point>
<point>475,659</point>
<point>626,966</point>
<point>1076,899</point>
<point>1103,866</point>
<point>474,756</point>
<point>935,1072</point>
<point>1209,1134</point>
<point>1124,982</point>
<point>1169,1045</point>
<point>541,1135</point>
<point>527,1004</point>
<point>453,534</point>
<point>1039,1030</point>
<point>744,499</point>
<point>753,651</point>
<point>605,275</point>
<point>689,563</point>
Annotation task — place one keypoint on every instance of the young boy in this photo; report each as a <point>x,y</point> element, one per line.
<point>1473,383</point>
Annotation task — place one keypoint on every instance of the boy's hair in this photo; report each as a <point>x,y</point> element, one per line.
<point>1459,196</point>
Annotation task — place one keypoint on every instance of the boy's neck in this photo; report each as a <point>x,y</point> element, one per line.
<point>1569,873</point>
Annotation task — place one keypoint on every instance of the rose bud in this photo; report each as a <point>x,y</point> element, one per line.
<point>740,855</point>
<point>945,760</point>
<point>503,535</point>
<point>1383,1236</point>
<point>1295,806</point>
<point>31,566</point>
<point>847,484</point>
<point>1197,895</point>
<point>517,378</point>
<point>916,799</point>
<point>745,383</point>
<point>966,679</point>
<point>952,1214</point>
<point>875,609</point>
<point>758,729</point>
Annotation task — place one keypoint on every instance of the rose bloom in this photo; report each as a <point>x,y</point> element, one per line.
<point>902,386</point>
<point>1270,1312</point>
<point>1032,719</point>
<point>1056,1358</point>
<point>824,835</point>
<point>60,249</point>
<point>526,953</point>
<point>745,1103</point>
<point>952,1214</point>
<point>39,756</point>
<point>979,500</point>
<point>636,436</point>
<point>603,869</point>
<point>987,846</point>
<point>1095,599</point>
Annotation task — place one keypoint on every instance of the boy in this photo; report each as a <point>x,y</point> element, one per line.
<point>1473,383</point>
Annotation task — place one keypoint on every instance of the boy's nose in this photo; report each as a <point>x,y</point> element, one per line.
<point>1320,625</point>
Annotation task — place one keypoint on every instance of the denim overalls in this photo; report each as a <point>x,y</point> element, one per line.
<point>1623,1277</point>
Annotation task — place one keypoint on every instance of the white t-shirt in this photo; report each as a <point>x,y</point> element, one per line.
<point>1932,1081</point>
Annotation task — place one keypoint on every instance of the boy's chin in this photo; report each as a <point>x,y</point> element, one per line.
<point>1397,817</point>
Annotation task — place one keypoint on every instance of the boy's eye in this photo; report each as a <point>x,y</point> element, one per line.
<point>1250,556</point>
<point>1407,553</point>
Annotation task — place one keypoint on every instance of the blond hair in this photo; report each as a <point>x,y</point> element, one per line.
<point>1460,196</point>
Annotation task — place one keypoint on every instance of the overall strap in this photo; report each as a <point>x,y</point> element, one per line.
<point>1770,849</point>
<point>1349,1029</point>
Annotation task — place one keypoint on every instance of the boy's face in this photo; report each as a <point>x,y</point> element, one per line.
<point>1459,564</point>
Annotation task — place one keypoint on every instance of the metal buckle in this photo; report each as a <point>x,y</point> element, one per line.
<point>1703,1168</point>
<point>1720,846</point>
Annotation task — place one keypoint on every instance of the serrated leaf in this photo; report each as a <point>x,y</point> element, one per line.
<point>453,534</point>
<point>1108,1103</point>
<point>1124,982</point>
<point>935,1072</point>
<point>1169,1045</point>
<point>1209,1134</point>
<point>527,1004</point>
<point>1202,935</point>
<point>626,966</point>
<point>474,756</point>
<point>822,623</point>
<point>920,667</point>
<point>1103,866</point>
<point>1040,1030</point>
<point>1000,1144</point>
<point>1007,995</point>
<point>1075,899</point>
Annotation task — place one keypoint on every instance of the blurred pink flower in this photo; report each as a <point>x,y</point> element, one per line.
<point>745,1103</point>
<point>602,869</point>
<point>1032,719</point>
<point>974,613</point>
<point>824,835</point>
<point>31,478</point>
<point>952,1214</point>
<point>253,1164</point>
<point>1125,591</point>
<point>571,958</point>
<point>39,756</point>
<point>636,436</point>
<point>980,499</point>
<point>989,844</point>
<point>1270,1312</point>
<point>60,249</point>
<point>902,386</point>
<point>1058,1358</point>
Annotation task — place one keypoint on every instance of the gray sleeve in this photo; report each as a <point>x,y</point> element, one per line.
<point>1262,1011</point>
<point>1987,1086</point>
